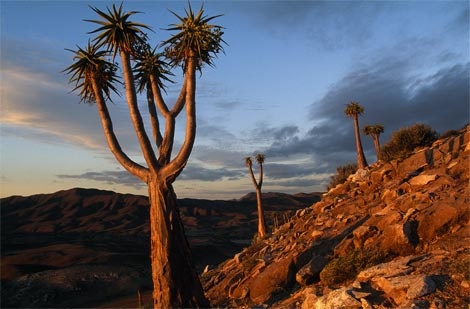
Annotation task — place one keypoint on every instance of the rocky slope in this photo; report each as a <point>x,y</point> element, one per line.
<point>81,247</point>
<point>395,235</point>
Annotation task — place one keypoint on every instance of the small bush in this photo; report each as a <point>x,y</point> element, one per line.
<point>342,174</point>
<point>450,133</point>
<point>405,140</point>
<point>348,266</point>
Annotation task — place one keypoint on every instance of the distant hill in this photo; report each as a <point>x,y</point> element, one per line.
<point>79,230</point>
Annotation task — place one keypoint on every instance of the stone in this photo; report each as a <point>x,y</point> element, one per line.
<point>276,276</point>
<point>311,270</point>
<point>422,180</point>
<point>360,175</point>
<point>465,284</point>
<point>316,234</point>
<point>310,298</point>
<point>434,220</point>
<point>397,267</point>
<point>415,162</point>
<point>366,304</point>
<point>422,285</point>
<point>362,233</point>
<point>388,196</point>
<point>340,298</point>
<point>403,288</point>
<point>400,238</point>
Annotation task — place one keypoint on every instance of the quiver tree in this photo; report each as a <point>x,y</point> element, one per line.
<point>258,184</point>
<point>195,43</point>
<point>374,132</point>
<point>353,110</point>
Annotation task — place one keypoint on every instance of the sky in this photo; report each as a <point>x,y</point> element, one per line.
<point>289,69</point>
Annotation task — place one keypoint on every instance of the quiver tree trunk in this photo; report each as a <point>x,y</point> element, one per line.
<point>176,283</point>
<point>377,145</point>
<point>361,158</point>
<point>261,221</point>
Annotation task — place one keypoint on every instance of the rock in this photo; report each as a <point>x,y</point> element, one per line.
<point>434,220</point>
<point>362,233</point>
<point>238,257</point>
<point>397,267</point>
<point>310,298</point>
<point>316,234</point>
<point>422,285</point>
<point>366,304</point>
<point>388,195</point>
<point>415,162</point>
<point>338,299</point>
<point>360,175</point>
<point>422,180</point>
<point>276,276</point>
<point>311,270</point>
<point>403,288</point>
<point>400,238</point>
<point>465,284</point>
<point>382,175</point>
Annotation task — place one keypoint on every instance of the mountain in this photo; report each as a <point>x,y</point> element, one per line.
<point>79,247</point>
<point>394,235</point>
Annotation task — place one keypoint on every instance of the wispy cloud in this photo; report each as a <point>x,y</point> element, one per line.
<point>122,178</point>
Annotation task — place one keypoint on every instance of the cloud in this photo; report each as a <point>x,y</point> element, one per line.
<point>108,177</point>
<point>395,91</point>
<point>195,172</point>
<point>329,25</point>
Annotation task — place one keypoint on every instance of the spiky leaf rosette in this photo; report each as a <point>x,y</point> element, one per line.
<point>195,37</point>
<point>116,31</point>
<point>91,63</point>
<point>149,62</point>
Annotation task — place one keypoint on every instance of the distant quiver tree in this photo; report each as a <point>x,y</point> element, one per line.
<point>94,73</point>
<point>374,132</point>
<point>258,184</point>
<point>353,110</point>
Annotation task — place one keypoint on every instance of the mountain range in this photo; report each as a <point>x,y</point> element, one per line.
<point>95,231</point>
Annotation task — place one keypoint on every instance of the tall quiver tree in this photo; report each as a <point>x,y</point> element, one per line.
<point>258,184</point>
<point>195,43</point>
<point>374,132</point>
<point>353,110</point>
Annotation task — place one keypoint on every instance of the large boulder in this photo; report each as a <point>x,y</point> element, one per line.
<point>274,279</point>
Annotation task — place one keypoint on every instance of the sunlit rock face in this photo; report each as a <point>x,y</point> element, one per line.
<point>395,234</point>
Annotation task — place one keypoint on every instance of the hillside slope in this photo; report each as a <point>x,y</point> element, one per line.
<point>395,235</point>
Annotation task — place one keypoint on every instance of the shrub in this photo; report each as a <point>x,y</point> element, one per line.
<point>405,140</point>
<point>342,174</point>
<point>450,133</point>
<point>348,266</point>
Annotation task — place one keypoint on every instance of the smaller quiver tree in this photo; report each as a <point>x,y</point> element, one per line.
<point>374,132</point>
<point>353,110</point>
<point>258,184</point>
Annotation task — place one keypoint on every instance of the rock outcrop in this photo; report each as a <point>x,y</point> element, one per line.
<point>395,235</point>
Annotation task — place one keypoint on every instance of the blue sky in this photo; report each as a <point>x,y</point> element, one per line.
<point>281,88</point>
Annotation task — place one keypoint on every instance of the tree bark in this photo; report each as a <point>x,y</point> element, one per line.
<point>261,221</point>
<point>361,158</point>
<point>176,283</point>
<point>377,145</point>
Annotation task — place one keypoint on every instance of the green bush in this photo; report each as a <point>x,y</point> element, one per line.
<point>342,174</point>
<point>348,266</point>
<point>405,140</point>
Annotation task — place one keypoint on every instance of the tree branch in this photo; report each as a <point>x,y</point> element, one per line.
<point>113,143</point>
<point>157,135</point>
<point>145,145</point>
<point>175,167</point>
